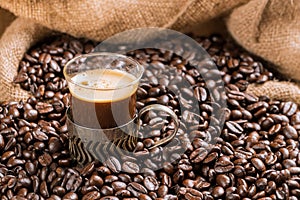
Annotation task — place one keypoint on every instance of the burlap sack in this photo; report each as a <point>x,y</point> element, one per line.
<point>98,20</point>
<point>95,20</point>
<point>5,19</point>
<point>16,39</point>
<point>283,91</point>
<point>271,30</point>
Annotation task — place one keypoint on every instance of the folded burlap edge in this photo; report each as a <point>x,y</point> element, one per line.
<point>276,90</point>
<point>18,37</point>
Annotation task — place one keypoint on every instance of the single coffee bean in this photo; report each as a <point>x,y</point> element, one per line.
<point>44,190</point>
<point>118,185</point>
<point>91,195</point>
<point>290,132</point>
<point>218,192</point>
<point>96,180</point>
<point>234,127</point>
<point>88,169</point>
<point>30,115</point>
<point>54,144</point>
<point>130,167</point>
<point>223,180</point>
<point>58,190</point>
<point>289,108</point>
<point>258,164</point>
<point>136,187</point>
<point>70,195</point>
<point>45,159</point>
<point>198,155</point>
<point>223,166</point>
<point>106,190</point>
<point>151,183</point>
<point>113,164</point>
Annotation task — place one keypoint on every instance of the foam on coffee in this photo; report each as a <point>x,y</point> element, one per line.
<point>101,84</point>
<point>96,103</point>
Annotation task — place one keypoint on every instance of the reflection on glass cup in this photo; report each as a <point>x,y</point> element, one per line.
<point>103,104</point>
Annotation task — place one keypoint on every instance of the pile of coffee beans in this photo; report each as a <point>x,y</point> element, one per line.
<point>255,155</point>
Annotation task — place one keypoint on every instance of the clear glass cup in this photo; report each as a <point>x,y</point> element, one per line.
<point>103,110</point>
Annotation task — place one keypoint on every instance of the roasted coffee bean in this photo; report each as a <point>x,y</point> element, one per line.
<point>223,180</point>
<point>21,77</point>
<point>125,178</point>
<point>234,127</point>
<point>290,132</point>
<point>110,178</point>
<point>5,156</point>
<point>218,192</point>
<point>136,188</point>
<point>258,164</point>
<point>151,183</point>
<point>30,168</point>
<point>138,178</point>
<point>118,185</point>
<point>45,159</point>
<point>113,164</point>
<point>106,190</point>
<point>44,58</point>
<point>289,108</point>
<point>162,190</point>
<point>88,169</point>
<point>123,193</point>
<point>223,165</point>
<point>96,180</point>
<point>70,195</point>
<point>294,170</point>
<point>54,144</point>
<point>198,155</point>
<point>2,142</point>
<point>54,66</point>
<point>130,167</point>
<point>190,193</point>
<point>44,189</point>
<point>58,190</point>
<point>91,195</point>
<point>30,115</point>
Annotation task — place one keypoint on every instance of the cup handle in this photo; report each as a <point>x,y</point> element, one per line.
<point>167,110</point>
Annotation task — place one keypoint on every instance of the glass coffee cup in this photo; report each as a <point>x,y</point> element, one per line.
<point>102,113</point>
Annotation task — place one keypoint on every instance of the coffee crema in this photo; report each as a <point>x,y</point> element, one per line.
<point>103,98</point>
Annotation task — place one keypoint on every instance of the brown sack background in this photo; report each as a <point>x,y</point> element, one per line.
<point>271,30</point>
<point>16,39</point>
<point>98,20</point>
<point>95,20</point>
<point>278,90</point>
<point>5,19</point>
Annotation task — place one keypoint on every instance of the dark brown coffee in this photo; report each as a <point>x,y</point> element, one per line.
<point>103,98</point>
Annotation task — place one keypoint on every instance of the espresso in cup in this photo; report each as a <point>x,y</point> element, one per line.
<point>102,117</point>
<point>109,102</point>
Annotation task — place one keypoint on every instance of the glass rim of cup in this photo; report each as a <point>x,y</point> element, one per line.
<point>135,81</point>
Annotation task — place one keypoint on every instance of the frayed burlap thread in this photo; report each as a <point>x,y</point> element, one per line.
<point>271,30</point>
<point>16,40</point>
<point>99,20</point>
<point>277,90</point>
